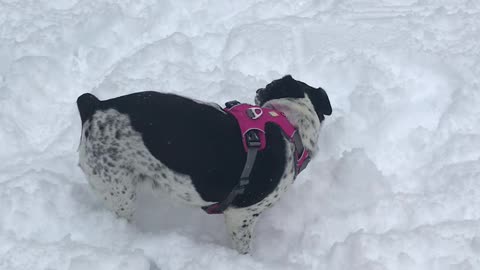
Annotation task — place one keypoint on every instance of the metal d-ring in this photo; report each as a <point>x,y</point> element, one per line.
<point>255,112</point>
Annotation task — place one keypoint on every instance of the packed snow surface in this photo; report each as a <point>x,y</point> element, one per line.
<point>396,184</point>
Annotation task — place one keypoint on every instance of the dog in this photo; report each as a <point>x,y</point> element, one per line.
<point>193,151</point>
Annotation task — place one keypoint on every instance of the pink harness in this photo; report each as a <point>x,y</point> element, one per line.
<point>252,120</point>
<point>250,117</point>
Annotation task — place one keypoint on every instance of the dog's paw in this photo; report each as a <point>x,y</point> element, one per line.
<point>240,225</point>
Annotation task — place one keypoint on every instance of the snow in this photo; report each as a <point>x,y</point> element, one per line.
<point>395,185</point>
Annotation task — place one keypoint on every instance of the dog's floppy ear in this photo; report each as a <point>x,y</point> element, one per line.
<point>320,101</point>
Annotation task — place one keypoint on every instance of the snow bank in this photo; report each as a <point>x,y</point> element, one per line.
<point>395,185</point>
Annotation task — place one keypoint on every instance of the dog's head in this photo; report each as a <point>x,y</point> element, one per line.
<point>288,87</point>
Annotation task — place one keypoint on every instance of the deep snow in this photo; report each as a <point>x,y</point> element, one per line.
<point>396,183</point>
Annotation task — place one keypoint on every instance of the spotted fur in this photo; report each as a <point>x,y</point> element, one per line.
<point>115,160</point>
<point>123,146</point>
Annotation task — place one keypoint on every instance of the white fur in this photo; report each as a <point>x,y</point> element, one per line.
<point>301,113</point>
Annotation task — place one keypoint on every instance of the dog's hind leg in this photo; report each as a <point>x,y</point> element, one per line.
<point>118,191</point>
<point>122,195</point>
<point>240,226</point>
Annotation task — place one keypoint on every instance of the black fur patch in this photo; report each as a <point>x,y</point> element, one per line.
<point>288,87</point>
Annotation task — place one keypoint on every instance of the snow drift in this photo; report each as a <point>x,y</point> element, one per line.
<point>395,185</point>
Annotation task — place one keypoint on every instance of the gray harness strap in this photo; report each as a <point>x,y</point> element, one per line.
<point>253,143</point>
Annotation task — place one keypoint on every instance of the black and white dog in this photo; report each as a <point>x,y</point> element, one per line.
<point>193,151</point>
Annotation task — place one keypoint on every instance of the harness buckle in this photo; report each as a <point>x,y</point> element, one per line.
<point>252,139</point>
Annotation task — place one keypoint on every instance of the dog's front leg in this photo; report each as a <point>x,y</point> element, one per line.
<point>240,225</point>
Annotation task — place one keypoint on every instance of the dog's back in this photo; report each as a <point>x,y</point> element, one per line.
<point>115,157</point>
<point>161,139</point>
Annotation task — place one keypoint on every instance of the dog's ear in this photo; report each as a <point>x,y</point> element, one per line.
<point>320,101</point>
<point>286,86</point>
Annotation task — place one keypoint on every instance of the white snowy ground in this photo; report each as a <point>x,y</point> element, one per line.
<point>397,182</point>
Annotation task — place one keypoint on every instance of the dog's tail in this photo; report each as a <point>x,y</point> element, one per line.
<point>87,105</point>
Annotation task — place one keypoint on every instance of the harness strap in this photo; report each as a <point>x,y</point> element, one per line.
<point>253,143</point>
<point>301,154</point>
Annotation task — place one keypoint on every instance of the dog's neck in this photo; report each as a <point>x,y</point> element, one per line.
<point>301,113</point>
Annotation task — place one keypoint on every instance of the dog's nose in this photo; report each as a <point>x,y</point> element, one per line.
<point>258,90</point>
